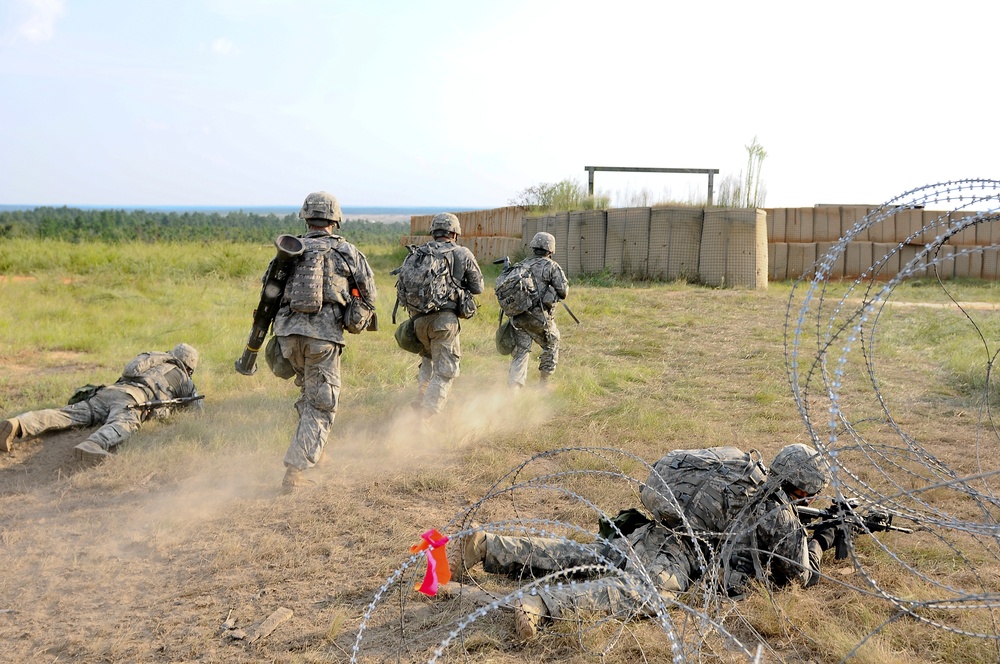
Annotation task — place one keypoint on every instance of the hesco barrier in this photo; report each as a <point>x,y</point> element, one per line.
<point>798,237</point>
<point>674,243</point>
<point>717,246</point>
<point>734,248</point>
<point>730,246</point>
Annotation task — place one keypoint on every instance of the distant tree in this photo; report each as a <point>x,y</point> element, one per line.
<point>75,225</point>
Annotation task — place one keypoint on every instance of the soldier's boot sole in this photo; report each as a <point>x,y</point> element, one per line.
<point>90,452</point>
<point>529,612</point>
<point>9,430</point>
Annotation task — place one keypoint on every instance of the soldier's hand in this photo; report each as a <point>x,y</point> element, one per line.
<point>825,536</point>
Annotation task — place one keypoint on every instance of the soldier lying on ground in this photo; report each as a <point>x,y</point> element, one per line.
<point>119,408</point>
<point>763,540</point>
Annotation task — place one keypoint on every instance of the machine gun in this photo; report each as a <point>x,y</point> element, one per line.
<point>289,248</point>
<point>505,261</point>
<point>843,516</point>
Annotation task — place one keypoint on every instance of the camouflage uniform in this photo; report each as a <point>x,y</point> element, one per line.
<point>666,558</point>
<point>112,406</point>
<point>767,543</point>
<point>538,324</point>
<point>774,545</point>
<point>313,343</point>
<point>438,332</point>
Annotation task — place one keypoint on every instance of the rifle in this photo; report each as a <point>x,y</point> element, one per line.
<point>180,401</point>
<point>505,261</point>
<point>289,248</point>
<point>843,516</point>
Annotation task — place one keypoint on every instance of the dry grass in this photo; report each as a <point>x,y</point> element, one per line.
<point>144,557</point>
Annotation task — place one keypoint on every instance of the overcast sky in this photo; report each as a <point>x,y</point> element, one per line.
<point>465,103</point>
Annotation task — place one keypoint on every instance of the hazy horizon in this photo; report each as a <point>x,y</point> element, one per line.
<point>256,209</point>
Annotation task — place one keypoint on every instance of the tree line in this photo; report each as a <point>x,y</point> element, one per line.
<point>76,225</point>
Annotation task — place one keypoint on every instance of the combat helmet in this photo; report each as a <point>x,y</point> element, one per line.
<point>544,241</point>
<point>187,355</point>
<point>800,466</point>
<point>321,205</point>
<point>445,222</point>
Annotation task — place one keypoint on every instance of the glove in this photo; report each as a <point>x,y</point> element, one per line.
<point>825,536</point>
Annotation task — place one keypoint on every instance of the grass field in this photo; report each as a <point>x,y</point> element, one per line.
<point>143,558</point>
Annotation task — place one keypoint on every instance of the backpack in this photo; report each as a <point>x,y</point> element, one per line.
<point>142,363</point>
<point>425,282</point>
<point>515,289</point>
<point>304,290</point>
<point>706,488</point>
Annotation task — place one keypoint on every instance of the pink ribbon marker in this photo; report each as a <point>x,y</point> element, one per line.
<point>438,570</point>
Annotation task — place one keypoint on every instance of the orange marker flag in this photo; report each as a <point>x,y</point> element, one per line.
<point>438,570</point>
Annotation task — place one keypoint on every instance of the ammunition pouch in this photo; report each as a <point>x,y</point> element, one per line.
<point>83,393</point>
<point>465,304</point>
<point>359,316</point>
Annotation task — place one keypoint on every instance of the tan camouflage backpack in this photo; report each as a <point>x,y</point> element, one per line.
<point>515,290</point>
<point>425,279</point>
<point>304,290</point>
<point>151,371</point>
<point>707,487</point>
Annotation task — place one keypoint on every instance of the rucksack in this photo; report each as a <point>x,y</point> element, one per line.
<point>515,289</point>
<point>304,290</point>
<point>151,371</point>
<point>142,363</point>
<point>425,282</point>
<point>708,488</point>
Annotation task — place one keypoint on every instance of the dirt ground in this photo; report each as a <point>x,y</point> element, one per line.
<point>173,547</point>
<point>146,556</point>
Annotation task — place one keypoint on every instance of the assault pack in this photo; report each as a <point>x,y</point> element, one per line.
<point>705,488</point>
<point>150,370</point>
<point>515,290</point>
<point>425,280</point>
<point>304,289</point>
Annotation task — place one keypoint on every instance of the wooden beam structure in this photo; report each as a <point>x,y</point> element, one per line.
<point>711,172</point>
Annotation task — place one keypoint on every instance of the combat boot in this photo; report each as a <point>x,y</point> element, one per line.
<point>471,551</point>
<point>545,381</point>
<point>529,612</point>
<point>90,452</point>
<point>294,480</point>
<point>9,430</point>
